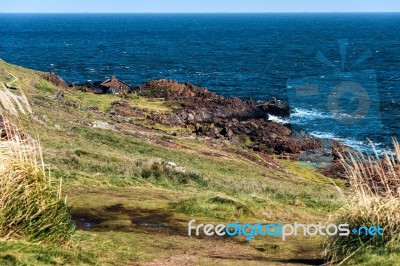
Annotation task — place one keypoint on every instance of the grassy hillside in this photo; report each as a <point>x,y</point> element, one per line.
<point>130,209</point>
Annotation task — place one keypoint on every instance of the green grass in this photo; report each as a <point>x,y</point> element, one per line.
<point>152,104</point>
<point>104,101</point>
<point>30,81</point>
<point>220,207</point>
<point>109,155</point>
<point>89,156</point>
<point>44,88</point>
<point>373,259</point>
<point>159,174</point>
<point>246,141</point>
<point>23,254</point>
<point>86,99</point>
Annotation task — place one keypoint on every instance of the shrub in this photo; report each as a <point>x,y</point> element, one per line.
<point>215,206</point>
<point>159,173</point>
<point>246,141</point>
<point>374,201</point>
<point>382,212</point>
<point>31,208</point>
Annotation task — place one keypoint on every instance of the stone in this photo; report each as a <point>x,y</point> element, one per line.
<point>190,117</point>
<point>102,125</point>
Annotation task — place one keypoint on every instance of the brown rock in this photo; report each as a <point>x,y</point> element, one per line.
<point>56,80</point>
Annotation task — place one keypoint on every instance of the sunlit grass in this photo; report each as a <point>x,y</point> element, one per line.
<point>102,169</point>
<point>104,101</point>
<point>31,207</point>
<point>374,201</point>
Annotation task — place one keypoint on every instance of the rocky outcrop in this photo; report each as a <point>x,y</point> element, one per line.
<point>171,89</point>
<point>200,105</point>
<point>276,108</point>
<point>123,108</point>
<point>56,80</point>
<point>242,122</point>
<point>216,116</point>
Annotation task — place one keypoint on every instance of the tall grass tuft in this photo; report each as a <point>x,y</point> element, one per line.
<point>31,208</point>
<point>374,200</point>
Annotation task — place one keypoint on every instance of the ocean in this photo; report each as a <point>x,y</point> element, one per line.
<point>339,72</point>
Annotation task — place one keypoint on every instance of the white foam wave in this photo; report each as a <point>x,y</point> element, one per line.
<point>277,119</point>
<point>308,113</point>
<point>363,146</point>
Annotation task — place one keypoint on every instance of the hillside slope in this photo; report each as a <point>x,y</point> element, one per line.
<point>134,184</point>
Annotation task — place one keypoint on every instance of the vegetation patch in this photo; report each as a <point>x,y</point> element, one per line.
<point>246,141</point>
<point>17,253</point>
<point>374,202</point>
<point>214,206</point>
<point>44,88</point>
<point>30,205</point>
<point>160,173</point>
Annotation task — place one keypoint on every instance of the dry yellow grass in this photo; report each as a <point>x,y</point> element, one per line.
<point>31,208</point>
<point>374,201</point>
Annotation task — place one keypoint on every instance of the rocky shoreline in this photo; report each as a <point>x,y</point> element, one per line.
<point>216,116</point>
<point>244,123</point>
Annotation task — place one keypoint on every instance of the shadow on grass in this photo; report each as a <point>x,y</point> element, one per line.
<point>119,218</point>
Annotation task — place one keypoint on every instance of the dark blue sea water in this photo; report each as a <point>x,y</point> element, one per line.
<point>339,72</point>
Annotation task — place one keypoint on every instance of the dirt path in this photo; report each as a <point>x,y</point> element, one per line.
<point>8,84</point>
<point>139,218</point>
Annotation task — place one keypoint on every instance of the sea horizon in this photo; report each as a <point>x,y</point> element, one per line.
<point>214,13</point>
